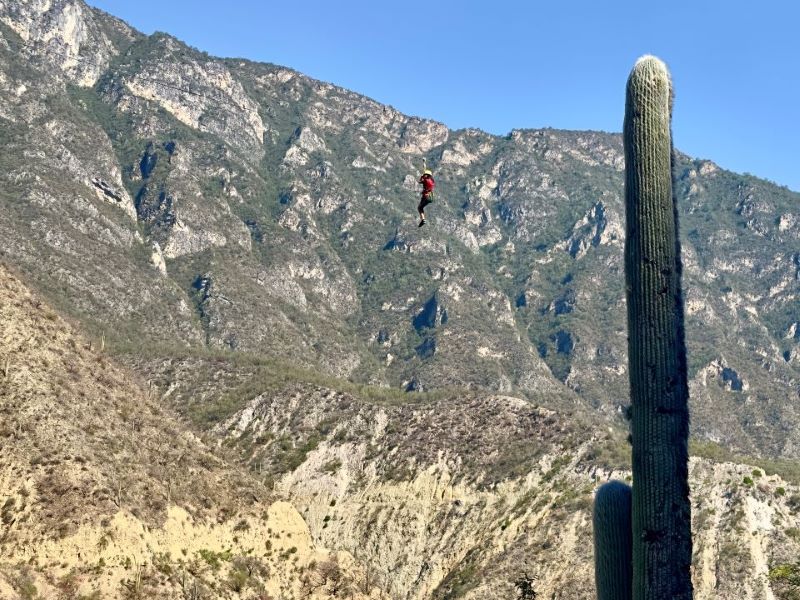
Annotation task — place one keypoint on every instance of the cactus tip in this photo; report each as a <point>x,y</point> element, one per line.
<point>652,65</point>
<point>649,58</point>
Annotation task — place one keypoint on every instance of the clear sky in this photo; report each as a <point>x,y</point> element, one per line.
<point>500,65</point>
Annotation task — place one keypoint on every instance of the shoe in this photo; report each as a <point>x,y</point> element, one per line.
<point>421,223</point>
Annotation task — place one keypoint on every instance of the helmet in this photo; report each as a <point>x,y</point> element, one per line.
<point>427,172</point>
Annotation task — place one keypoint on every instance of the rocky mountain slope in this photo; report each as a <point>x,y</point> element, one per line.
<point>464,495</point>
<point>106,494</point>
<point>228,204</point>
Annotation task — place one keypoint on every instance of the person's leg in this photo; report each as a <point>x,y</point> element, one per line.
<point>421,209</point>
<point>424,202</point>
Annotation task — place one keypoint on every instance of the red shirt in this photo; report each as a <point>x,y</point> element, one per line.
<point>427,183</point>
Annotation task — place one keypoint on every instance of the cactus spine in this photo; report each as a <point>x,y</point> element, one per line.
<point>612,541</point>
<point>662,543</point>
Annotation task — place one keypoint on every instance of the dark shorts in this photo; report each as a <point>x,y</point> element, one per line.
<point>426,199</point>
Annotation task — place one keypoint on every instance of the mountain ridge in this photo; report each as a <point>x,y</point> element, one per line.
<point>527,226</point>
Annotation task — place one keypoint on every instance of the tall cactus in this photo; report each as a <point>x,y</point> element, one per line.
<point>662,536</point>
<point>660,526</point>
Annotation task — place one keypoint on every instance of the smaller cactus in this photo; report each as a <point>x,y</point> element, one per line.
<point>613,542</point>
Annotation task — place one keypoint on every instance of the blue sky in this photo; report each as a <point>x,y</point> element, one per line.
<point>505,65</point>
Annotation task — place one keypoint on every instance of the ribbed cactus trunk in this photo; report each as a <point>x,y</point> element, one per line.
<point>662,543</point>
<point>611,522</point>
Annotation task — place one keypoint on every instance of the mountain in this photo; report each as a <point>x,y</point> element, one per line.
<point>107,494</point>
<point>221,203</point>
<point>244,238</point>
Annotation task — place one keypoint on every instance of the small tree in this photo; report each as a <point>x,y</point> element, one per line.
<point>524,587</point>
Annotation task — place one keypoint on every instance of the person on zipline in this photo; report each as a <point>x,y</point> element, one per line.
<point>426,179</point>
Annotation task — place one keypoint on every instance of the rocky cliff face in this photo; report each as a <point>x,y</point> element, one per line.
<point>465,496</point>
<point>69,40</point>
<point>350,493</point>
<point>240,205</point>
<point>107,494</point>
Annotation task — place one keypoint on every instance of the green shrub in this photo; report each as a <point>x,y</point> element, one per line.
<point>332,466</point>
<point>24,585</point>
<point>214,559</point>
<point>787,573</point>
<point>237,580</point>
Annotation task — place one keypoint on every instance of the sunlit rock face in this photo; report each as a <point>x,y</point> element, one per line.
<point>241,206</point>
